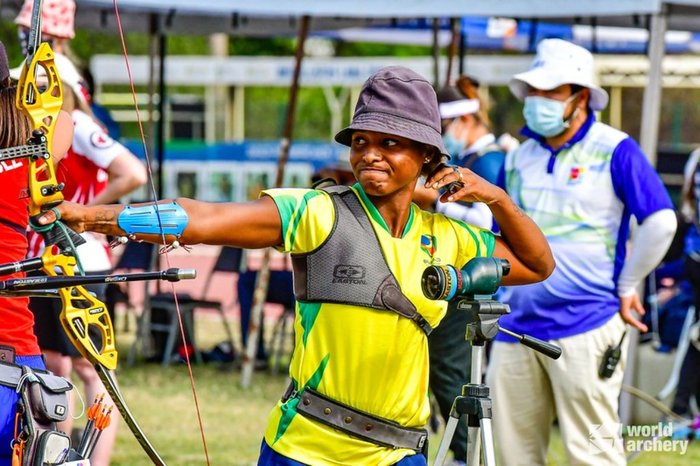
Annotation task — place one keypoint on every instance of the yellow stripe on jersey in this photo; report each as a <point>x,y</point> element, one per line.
<point>375,361</point>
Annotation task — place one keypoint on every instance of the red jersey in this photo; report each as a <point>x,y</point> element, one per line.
<point>83,172</point>
<point>16,321</point>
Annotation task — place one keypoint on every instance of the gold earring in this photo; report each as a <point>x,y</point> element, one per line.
<point>427,160</point>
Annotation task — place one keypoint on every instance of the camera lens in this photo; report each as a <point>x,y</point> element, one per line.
<point>440,282</point>
<point>433,283</point>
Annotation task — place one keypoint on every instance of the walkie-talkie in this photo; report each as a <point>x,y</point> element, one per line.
<point>610,359</point>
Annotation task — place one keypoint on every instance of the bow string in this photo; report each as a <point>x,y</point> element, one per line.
<point>81,311</point>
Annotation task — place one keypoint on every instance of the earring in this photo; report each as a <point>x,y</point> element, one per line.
<point>427,160</point>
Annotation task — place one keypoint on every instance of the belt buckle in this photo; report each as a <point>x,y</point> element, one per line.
<point>7,354</point>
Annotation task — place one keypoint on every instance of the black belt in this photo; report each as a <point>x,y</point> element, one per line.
<point>355,423</point>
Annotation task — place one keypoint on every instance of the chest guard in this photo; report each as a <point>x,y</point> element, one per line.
<point>349,267</point>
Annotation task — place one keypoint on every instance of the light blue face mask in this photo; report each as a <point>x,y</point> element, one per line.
<point>453,145</point>
<point>545,116</point>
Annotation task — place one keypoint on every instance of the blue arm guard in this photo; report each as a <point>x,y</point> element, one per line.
<point>144,219</point>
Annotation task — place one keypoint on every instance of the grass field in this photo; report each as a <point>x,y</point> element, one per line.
<point>233,418</point>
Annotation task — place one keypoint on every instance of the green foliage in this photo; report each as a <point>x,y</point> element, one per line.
<point>366,49</point>
<point>266,109</point>
<point>261,46</point>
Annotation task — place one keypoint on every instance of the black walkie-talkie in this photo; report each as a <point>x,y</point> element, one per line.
<point>610,359</point>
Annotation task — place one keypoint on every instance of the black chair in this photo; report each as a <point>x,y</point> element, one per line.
<point>280,291</point>
<point>136,256</point>
<point>163,317</point>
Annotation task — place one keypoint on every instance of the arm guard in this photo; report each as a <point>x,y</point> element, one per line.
<point>155,219</point>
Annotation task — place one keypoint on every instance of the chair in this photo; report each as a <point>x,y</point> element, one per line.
<point>136,256</point>
<point>280,291</point>
<point>229,260</point>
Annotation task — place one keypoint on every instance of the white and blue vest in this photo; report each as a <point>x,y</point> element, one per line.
<point>582,198</point>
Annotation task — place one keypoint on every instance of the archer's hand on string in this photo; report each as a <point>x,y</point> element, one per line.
<point>462,184</point>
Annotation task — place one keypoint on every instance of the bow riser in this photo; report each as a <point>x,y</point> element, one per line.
<point>42,109</point>
<point>82,311</point>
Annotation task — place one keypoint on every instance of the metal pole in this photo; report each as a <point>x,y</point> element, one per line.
<point>263,276</point>
<point>436,52</point>
<point>651,104</point>
<point>160,137</point>
<point>452,49</point>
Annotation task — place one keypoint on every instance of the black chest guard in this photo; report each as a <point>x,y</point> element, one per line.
<point>349,267</point>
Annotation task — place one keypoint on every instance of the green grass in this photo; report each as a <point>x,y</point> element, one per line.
<point>234,418</point>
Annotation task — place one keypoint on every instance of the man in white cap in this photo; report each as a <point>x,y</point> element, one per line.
<point>581,181</point>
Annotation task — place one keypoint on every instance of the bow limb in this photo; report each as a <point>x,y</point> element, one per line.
<point>111,387</point>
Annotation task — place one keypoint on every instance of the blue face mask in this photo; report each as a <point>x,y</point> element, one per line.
<point>546,116</point>
<point>453,145</point>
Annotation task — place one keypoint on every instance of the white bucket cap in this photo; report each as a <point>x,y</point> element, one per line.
<point>560,62</point>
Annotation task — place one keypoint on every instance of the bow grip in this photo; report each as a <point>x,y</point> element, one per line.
<point>58,234</point>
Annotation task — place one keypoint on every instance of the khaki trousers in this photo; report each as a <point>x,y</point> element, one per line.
<point>529,390</point>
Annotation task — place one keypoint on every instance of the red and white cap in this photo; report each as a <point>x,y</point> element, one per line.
<point>57,17</point>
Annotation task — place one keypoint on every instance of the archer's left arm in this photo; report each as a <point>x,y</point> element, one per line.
<point>251,225</point>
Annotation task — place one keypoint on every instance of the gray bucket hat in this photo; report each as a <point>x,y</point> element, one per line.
<point>4,67</point>
<point>398,101</point>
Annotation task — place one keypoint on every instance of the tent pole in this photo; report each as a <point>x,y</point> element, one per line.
<point>436,52</point>
<point>160,135</point>
<point>152,48</point>
<point>651,103</point>
<point>263,277</point>
<point>452,49</point>
<point>462,50</point>
<point>651,106</point>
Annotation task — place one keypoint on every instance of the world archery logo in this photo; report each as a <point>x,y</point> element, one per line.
<point>428,244</point>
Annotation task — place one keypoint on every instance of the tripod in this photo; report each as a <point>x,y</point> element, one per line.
<point>475,402</point>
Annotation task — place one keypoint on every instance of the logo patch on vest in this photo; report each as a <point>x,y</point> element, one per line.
<point>428,244</point>
<point>354,274</point>
<point>575,175</point>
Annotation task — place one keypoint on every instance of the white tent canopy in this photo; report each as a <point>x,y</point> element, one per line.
<point>242,17</point>
<point>388,8</point>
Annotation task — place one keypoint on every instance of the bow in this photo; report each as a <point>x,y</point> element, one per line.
<point>81,311</point>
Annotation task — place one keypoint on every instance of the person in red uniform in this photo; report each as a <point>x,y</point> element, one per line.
<point>97,169</point>
<point>18,345</point>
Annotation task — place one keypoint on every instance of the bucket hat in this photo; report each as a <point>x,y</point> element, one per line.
<point>397,101</point>
<point>4,67</point>
<point>560,62</point>
<point>57,17</point>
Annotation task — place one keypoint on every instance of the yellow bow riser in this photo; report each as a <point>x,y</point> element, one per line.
<point>81,312</point>
<point>42,108</point>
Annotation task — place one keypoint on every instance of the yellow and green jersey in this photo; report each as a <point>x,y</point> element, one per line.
<point>373,360</point>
